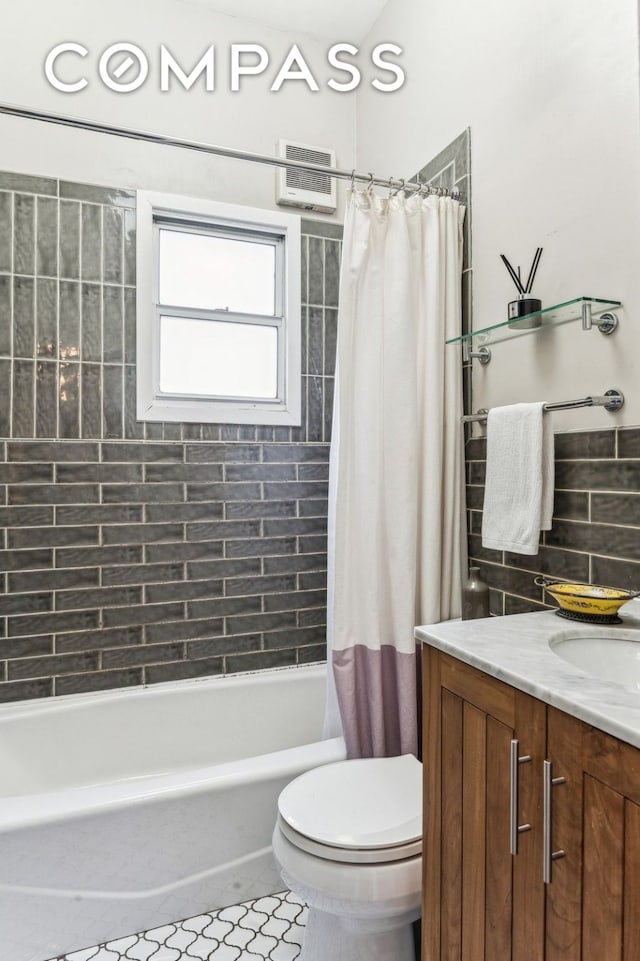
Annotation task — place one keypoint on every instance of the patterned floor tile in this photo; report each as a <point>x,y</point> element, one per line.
<point>266,929</point>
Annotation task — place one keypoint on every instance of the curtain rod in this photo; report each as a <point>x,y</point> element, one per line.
<point>92,126</point>
<point>612,400</point>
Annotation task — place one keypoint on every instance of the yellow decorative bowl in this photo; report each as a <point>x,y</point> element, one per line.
<point>587,599</point>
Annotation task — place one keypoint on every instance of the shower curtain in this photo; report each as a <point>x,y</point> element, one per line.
<point>396,465</point>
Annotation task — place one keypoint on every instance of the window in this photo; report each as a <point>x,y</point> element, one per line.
<point>218,310</point>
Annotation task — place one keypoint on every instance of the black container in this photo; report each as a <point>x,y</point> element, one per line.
<point>518,311</point>
<point>475,596</point>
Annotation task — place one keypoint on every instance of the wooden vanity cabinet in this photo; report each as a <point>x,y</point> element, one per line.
<point>483,903</point>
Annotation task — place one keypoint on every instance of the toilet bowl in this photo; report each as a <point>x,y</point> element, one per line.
<point>348,841</point>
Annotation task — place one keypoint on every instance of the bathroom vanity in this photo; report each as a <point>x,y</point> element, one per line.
<point>532,789</point>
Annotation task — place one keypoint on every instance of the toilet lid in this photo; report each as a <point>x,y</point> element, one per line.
<point>361,804</point>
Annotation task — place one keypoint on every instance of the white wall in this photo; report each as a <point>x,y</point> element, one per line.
<point>253,119</point>
<point>550,91</point>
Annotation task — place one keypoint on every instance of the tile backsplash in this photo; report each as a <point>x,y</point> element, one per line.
<point>595,536</point>
<point>136,553</point>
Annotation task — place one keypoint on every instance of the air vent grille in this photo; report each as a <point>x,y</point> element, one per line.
<point>309,189</point>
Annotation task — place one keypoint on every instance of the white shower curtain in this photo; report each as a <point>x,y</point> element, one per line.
<point>395,489</point>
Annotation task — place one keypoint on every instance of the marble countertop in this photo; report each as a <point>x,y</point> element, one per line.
<point>516,649</point>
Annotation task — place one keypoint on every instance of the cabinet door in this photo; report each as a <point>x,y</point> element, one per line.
<point>481,903</point>
<point>593,900</point>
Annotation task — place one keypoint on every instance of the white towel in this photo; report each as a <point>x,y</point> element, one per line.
<point>518,494</point>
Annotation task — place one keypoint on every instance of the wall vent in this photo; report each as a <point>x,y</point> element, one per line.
<point>306,188</point>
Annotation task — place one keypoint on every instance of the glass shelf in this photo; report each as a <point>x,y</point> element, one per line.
<point>549,317</point>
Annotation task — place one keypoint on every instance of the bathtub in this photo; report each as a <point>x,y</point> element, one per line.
<point>125,810</point>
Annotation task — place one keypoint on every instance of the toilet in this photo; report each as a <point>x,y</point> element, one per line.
<point>348,841</point>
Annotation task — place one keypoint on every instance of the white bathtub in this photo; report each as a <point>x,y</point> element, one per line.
<point>128,809</point>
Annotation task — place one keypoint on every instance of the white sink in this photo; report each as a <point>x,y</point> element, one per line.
<point>606,653</point>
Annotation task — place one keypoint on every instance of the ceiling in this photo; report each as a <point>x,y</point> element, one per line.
<point>332,20</point>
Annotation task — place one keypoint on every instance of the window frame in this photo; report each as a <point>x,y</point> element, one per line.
<point>156,211</point>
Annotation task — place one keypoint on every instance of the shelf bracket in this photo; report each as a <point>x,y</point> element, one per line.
<point>483,354</point>
<point>606,323</point>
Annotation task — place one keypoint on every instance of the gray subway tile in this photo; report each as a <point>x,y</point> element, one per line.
<point>130,247</point>
<point>268,584</point>
<point>315,341</point>
<point>54,494</point>
<point>222,607</point>
<point>34,473</point>
<point>629,442</point>
<point>46,385</point>
<point>603,539</point>
<point>5,398</point>
<point>12,560</point>
<point>157,473</point>
<point>331,272</point>
<point>24,300</point>
<point>616,509</point>
<point>112,243</point>
<point>113,325</point>
<point>316,271</point>
<point>35,646</point>
<point>207,510</point>
<point>298,453</point>
<point>99,514</point>
<point>91,243</point>
<point>183,630</point>
<point>28,184</point>
<point>91,380</point>
<point>260,547</point>
<point>52,451</point>
<point>47,237</point>
<point>218,646</point>
<point>142,493</point>
<point>112,401</point>
<point>181,670</point>
<point>69,473</point>
<point>296,637</point>
<point>321,228</point>
<point>6,231</point>
<point>129,326</point>
<point>616,572</point>
<point>296,562</point>
<point>142,534</point>
<point>98,681</point>
<point>98,640</point>
<point>139,453</point>
<point>601,475</point>
<point>31,603</point>
<point>143,654</point>
<point>271,621</point>
<point>222,453</point>
<point>585,445</point>
<point>51,621</point>
<point>195,550</point>
<point>295,600</point>
<point>91,193</point>
<point>69,321</point>
<point>223,492</point>
<point>222,530</point>
<point>26,690</point>
<point>26,516</point>
<point>23,398</point>
<point>69,400</point>
<point>224,567</point>
<point>6,286</point>
<point>91,314</point>
<point>236,510</point>
<point>69,240</point>
<point>24,234</point>
<point>142,574</point>
<point>182,591</point>
<point>106,597</point>
<point>286,490</point>
<point>143,614</point>
<point>47,318</point>
<point>312,654</point>
<point>53,580</point>
<point>100,556</point>
<point>281,527</point>
<point>260,660</point>
<point>25,537</point>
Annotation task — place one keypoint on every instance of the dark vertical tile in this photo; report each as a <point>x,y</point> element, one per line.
<point>467,301</point>
<point>329,384</point>
<point>315,352</point>
<point>130,247</point>
<point>133,428</point>
<point>91,243</point>
<point>22,403</point>
<point>315,414</point>
<point>23,317</point>
<point>331,272</point>
<point>91,308</point>
<point>47,237</point>
<point>6,230</point>
<point>69,322</point>
<point>171,431</point>
<point>304,268</point>
<point>151,431</point>
<point>91,400</point>
<point>112,325</point>
<point>304,340</point>
<point>316,271</point>
<point>69,240</point>
<point>112,406</point>
<point>69,400</point>
<point>46,317</point>
<point>112,245</point>
<point>5,398</point>
<point>129,326</point>
<point>24,234</point>
<point>46,399</point>
<point>5,314</point>
<point>330,338</point>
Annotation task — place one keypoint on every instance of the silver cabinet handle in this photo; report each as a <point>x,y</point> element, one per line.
<point>548,854</point>
<point>515,828</point>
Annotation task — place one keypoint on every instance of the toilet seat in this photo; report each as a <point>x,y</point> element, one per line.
<point>357,811</point>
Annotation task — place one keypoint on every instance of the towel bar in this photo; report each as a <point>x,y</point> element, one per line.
<point>612,400</point>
